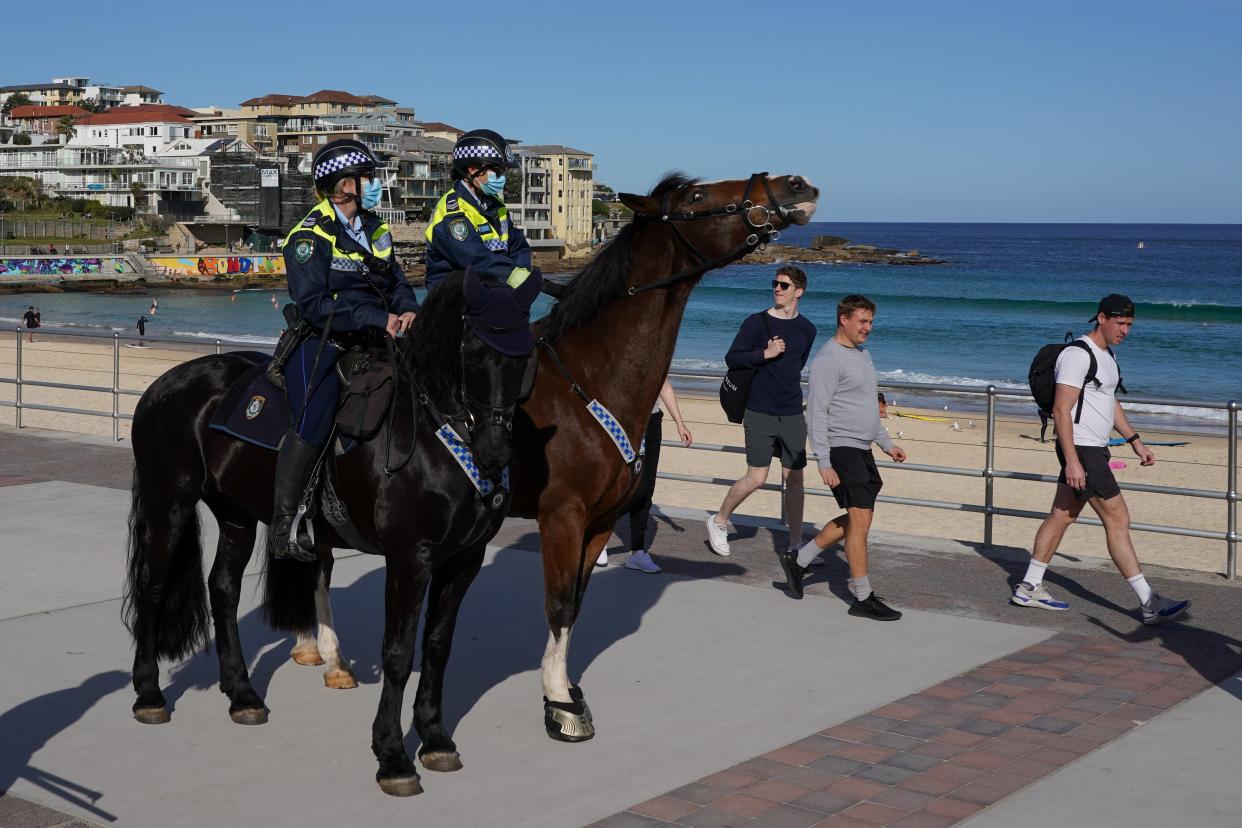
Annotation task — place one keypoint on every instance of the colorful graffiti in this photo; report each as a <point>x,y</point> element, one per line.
<point>211,266</point>
<point>50,266</point>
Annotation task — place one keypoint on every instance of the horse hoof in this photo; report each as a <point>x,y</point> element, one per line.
<point>401,786</point>
<point>307,656</point>
<point>441,761</point>
<point>153,715</point>
<point>339,680</point>
<point>568,721</point>
<point>249,716</point>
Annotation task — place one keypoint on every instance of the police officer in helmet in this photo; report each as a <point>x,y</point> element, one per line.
<point>470,226</point>
<point>348,289</point>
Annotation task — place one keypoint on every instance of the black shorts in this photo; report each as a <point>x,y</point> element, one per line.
<point>1100,480</point>
<point>860,478</point>
<point>773,435</point>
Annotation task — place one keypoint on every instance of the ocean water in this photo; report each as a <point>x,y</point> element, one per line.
<point>1007,290</point>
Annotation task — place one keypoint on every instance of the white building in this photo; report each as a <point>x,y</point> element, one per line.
<point>108,175</point>
<point>143,129</point>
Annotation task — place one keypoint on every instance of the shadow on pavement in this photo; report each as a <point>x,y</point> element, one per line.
<point>25,729</point>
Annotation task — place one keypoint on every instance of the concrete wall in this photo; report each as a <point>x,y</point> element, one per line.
<point>61,267</point>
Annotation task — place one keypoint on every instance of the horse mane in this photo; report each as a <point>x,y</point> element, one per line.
<point>432,345</point>
<point>605,277</point>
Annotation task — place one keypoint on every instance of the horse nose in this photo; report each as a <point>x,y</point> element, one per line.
<point>799,184</point>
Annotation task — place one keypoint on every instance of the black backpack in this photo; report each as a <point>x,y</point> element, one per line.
<point>1042,376</point>
<point>735,387</point>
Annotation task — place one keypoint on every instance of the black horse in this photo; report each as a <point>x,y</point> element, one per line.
<point>405,492</point>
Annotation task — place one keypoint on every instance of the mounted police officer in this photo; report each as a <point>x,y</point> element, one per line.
<point>348,289</point>
<point>470,226</point>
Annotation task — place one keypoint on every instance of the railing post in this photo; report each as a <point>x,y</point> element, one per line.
<point>19,377</point>
<point>989,467</point>
<point>1231,501</point>
<point>116,387</point>
<point>217,346</point>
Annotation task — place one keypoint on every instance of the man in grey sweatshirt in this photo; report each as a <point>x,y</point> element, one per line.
<point>844,420</point>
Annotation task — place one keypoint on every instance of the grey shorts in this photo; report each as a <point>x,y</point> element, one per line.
<point>775,435</point>
<point>1101,482</point>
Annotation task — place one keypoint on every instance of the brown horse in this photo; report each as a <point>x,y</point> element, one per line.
<point>610,338</point>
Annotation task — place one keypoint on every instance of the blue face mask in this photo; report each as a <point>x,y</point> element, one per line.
<point>372,191</point>
<point>494,185</point>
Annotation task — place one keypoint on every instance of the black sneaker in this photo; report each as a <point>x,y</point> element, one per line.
<point>874,608</point>
<point>793,572</point>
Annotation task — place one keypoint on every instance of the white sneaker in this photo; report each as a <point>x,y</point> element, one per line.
<point>640,560</point>
<point>602,560</point>
<point>717,537</point>
<point>1025,595</point>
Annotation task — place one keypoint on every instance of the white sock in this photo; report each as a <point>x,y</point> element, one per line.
<point>1141,588</point>
<point>861,587</point>
<point>807,553</point>
<point>1035,573</point>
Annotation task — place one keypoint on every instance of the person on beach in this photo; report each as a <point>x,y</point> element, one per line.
<point>155,306</point>
<point>777,342</point>
<point>470,225</point>
<point>338,260</point>
<point>639,507</point>
<point>32,321</point>
<point>142,328</point>
<point>844,422</point>
<point>1086,477</point>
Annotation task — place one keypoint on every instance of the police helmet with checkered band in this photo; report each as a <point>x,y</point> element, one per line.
<point>343,158</point>
<point>481,148</point>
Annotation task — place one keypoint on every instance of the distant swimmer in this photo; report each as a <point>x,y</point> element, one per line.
<point>1142,245</point>
<point>155,306</point>
<point>233,296</point>
<point>275,304</point>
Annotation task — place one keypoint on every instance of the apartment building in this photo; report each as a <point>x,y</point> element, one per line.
<point>142,129</point>
<point>76,90</point>
<point>215,122</point>
<point>569,175</point>
<point>44,119</point>
<point>107,174</point>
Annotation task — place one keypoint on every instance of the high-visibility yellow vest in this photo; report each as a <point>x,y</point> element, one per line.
<point>494,237</point>
<point>381,238</point>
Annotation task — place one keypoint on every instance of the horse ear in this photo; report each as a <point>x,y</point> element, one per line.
<point>472,289</point>
<point>639,204</point>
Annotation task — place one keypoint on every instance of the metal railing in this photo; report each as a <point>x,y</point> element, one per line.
<point>989,473</point>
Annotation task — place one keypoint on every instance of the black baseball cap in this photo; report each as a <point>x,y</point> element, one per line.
<point>1114,304</point>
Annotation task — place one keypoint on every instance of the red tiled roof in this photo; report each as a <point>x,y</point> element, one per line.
<point>144,114</point>
<point>333,96</point>
<point>272,99</point>
<point>54,111</point>
<point>439,126</point>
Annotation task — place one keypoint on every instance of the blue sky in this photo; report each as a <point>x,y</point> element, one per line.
<point>900,111</point>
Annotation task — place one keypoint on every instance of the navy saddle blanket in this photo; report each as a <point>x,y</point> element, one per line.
<point>256,412</point>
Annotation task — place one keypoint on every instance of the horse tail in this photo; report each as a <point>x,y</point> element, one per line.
<point>177,603</point>
<point>289,592</point>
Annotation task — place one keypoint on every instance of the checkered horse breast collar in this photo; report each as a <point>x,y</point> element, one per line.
<point>493,493</point>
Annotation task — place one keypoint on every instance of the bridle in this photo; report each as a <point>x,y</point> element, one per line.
<point>758,218</point>
<point>496,416</point>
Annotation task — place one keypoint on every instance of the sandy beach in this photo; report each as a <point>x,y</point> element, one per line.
<point>1200,465</point>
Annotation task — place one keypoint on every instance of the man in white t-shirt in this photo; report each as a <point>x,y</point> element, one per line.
<point>1086,411</point>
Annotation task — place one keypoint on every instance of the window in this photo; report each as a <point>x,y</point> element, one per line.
<point>155,130</point>
<point>560,193</point>
<point>560,209</point>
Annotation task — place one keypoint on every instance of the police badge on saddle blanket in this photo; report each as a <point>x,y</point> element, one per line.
<point>255,406</point>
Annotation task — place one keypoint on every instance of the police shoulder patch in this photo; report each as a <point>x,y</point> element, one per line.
<point>303,249</point>
<point>309,221</point>
<point>450,201</point>
<point>457,229</point>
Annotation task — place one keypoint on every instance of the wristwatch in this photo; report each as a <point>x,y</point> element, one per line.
<point>1132,438</point>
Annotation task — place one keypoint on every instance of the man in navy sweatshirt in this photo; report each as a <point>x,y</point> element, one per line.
<point>777,342</point>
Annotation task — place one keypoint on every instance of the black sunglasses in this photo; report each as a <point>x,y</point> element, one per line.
<point>779,285</point>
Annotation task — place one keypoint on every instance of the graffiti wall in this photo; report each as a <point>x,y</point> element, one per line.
<point>52,266</point>
<point>210,266</point>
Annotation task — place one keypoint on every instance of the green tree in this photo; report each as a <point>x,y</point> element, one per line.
<point>64,126</point>
<point>93,105</point>
<point>138,190</point>
<point>14,100</point>
<point>22,139</point>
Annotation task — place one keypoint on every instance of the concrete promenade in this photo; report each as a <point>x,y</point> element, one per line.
<point>718,699</point>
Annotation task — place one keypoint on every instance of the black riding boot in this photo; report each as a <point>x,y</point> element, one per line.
<point>294,464</point>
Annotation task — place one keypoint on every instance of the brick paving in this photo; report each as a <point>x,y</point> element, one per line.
<point>16,812</point>
<point>938,756</point>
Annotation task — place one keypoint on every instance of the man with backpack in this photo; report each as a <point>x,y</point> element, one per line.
<point>776,343</point>
<point>1085,410</point>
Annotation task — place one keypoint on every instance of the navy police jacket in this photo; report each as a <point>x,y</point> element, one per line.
<point>328,274</point>
<point>473,231</point>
